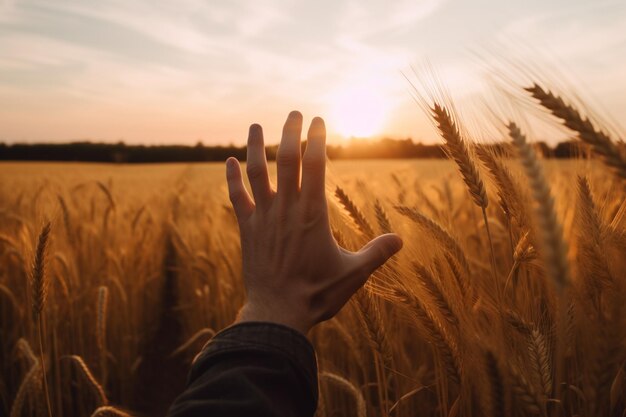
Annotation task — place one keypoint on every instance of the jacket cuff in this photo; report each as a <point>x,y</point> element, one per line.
<point>265,337</point>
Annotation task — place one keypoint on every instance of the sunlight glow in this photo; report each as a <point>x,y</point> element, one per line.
<point>358,111</point>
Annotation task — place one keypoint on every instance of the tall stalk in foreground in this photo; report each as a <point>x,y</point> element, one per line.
<point>548,228</point>
<point>101,327</point>
<point>553,247</point>
<point>39,284</point>
<point>458,150</point>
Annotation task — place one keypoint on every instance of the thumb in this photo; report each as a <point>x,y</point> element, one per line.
<point>378,251</point>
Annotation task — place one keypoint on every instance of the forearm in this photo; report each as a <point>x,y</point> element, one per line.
<point>252,368</point>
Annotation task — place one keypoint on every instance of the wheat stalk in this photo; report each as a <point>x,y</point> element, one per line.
<point>360,409</point>
<point>39,284</point>
<point>553,246</point>
<point>24,347</point>
<point>101,322</point>
<point>206,332</point>
<point>11,297</point>
<point>108,411</point>
<point>107,193</point>
<point>458,150</point>
<point>9,241</point>
<point>600,142</point>
<point>101,329</point>
<point>31,377</point>
<point>88,378</point>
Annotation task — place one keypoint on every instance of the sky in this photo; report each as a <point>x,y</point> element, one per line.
<point>147,71</point>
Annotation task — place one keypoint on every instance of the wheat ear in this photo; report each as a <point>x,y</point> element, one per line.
<point>457,148</point>
<point>381,216</point>
<point>540,361</point>
<point>509,191</point>
<point>524,252</point>
<point>496,386</point>
<point>460,278</point>
<point>436,293</point>
<point>526,395</point>
<point>39,282</point>
<point>67,219</point>
<point>355,214</point>
<point>374,326</point>
<point>600,142</point>
<point>593,259</point>
<point>378,339</point>
<point>438,232</point>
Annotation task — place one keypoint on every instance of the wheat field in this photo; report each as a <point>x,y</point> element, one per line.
<point>505,300</point>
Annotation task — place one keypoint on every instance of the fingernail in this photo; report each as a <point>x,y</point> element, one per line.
<point>255,128</point>
<point>231,163</point>
<point>295,114</point>
<point>398,243</point>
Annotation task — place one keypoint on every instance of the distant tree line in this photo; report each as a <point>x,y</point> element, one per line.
<point>354,149</point>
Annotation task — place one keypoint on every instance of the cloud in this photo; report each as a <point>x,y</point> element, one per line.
<point>366,19</point>
<point>234,59</point>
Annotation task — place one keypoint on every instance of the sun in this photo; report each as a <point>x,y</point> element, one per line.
<point>357,111</point>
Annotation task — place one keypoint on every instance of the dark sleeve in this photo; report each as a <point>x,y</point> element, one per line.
<point>251,369</point>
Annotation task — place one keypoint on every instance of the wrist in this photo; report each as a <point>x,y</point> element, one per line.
<point>253,313</point>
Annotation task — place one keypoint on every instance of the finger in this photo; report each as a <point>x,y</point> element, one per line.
<point>239,197</point>
<point>377,252</point>
<point>288,157</point>
<point>256,167</point>
<point>314,162</point>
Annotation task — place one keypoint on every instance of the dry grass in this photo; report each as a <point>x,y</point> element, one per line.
<point>512,308</point>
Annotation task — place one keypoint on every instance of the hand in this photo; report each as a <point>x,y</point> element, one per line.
<point>294,271</point>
